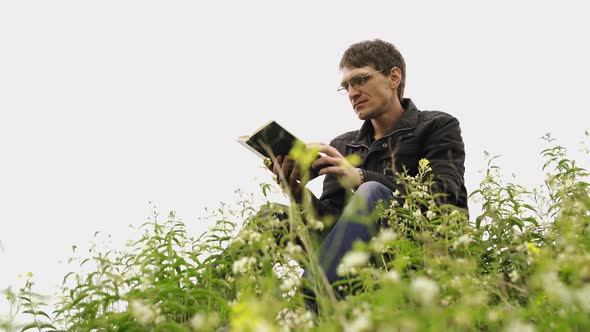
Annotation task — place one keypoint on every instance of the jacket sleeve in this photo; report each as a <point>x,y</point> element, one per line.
<point>442,145</point>
<point>444,148</point>
<point>331,202</point>
<point>446,152</point>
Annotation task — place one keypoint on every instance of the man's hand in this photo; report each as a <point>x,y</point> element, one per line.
<point>286,171</point>
<point>335,164</point>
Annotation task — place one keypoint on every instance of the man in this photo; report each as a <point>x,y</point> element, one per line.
<point>395,135</point>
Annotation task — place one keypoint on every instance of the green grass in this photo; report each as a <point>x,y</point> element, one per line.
<point>523,265</point>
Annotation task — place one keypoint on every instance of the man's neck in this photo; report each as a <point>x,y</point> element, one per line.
<point>385,122</point>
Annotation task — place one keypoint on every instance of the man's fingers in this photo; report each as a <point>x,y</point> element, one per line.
<point>326,160</point>
<point>276,166</point>
<point>293,177</point>
<point>327,149</point>
<point>334,170</point>
<point>286,166</point>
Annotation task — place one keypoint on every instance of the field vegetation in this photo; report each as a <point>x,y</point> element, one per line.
<point>523,264</point>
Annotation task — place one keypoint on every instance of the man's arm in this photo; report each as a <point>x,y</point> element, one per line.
<point>331,202</point>
<point>341,177</point>
<point>444,149</point>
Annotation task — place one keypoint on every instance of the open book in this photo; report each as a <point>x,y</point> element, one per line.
<point>271,139</point>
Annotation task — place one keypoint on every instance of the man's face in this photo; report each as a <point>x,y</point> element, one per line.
<point>370,92</point>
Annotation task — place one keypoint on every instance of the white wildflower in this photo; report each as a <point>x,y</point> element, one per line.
<point>462,318</point>
<point>250,236</point>
<point>145,282</point>
<point>274,222</point>
<point>291,267</point>
<point>204,322</point>
<point>199,321</point>
<point>361,319</point>
<point>360,323</point>
<point>477,298</point>
<point>304,319</point>
<point>263,326</point>
<point>396,193</point>
<point>297,320</point>
<point>417,214</point>
<point>382,240</point>
<point>391,276</point>
<point>519,326</point>
<point>555,289</point>
<point>243,264</point>
<point>424,289</point>
<point>462,240</point>
<point>445,301</point>
<point>417,194</point>
<point>430,214</point>
<point>315,224</point>
<point>493,315</point>
<point>351,262</point>
<point>290,276</point>
<point>514,276</point>
<point>290,284</point>
<point>583,298</point>
<point>431,205</point>
<point>293,249</point>
<point>144,313</point>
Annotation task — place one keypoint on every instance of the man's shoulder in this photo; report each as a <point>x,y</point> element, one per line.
<point>434,116</point>
<point>432,120</point>
<point>345,138</point>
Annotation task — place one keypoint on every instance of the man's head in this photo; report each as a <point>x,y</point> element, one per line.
<point>381,55</point>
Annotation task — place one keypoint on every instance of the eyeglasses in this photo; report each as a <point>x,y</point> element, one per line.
<point>356,82</point>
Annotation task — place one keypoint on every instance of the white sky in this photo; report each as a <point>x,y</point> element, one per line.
<point>107,105</point>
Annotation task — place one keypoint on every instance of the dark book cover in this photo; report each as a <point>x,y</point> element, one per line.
<point>272,139</point>
<point>269,139</point>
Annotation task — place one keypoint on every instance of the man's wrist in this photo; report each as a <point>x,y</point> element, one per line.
<point>361,173</point>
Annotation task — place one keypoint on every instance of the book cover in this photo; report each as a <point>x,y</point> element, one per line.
<point>271,139</point>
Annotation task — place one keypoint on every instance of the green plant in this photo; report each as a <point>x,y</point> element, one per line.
<point>524,264</point>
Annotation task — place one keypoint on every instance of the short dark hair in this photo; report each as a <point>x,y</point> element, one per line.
<point>378,53</point>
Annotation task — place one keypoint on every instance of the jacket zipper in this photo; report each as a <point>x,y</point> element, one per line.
<point>374,143</point>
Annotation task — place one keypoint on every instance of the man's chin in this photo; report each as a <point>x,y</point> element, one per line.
<point>361,115</point>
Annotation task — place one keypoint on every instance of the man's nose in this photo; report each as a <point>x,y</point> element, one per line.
<point>353,92</point>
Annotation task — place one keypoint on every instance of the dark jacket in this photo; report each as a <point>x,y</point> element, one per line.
<point>432,135</point>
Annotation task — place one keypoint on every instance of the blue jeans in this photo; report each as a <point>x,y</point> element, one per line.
<point>353,225</point>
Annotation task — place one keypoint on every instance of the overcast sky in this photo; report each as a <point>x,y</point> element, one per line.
<point>106,106</point>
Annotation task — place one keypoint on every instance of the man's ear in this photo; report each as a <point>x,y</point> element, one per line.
<point>396,77</point>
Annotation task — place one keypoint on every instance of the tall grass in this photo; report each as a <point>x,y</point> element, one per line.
<point>523,265</point>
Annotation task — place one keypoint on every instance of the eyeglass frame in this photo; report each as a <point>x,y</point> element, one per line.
<point>362,80</point>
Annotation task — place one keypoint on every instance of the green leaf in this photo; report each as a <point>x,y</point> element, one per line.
<point>33,312</point>
<point>29,326</point>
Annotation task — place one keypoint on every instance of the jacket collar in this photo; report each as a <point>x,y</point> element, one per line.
<point>407,121</point>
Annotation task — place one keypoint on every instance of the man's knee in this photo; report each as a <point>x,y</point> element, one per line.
<point>366,197</point>
<point>373,191</point>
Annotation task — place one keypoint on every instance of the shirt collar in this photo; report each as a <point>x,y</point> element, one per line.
<point>408,120</point>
